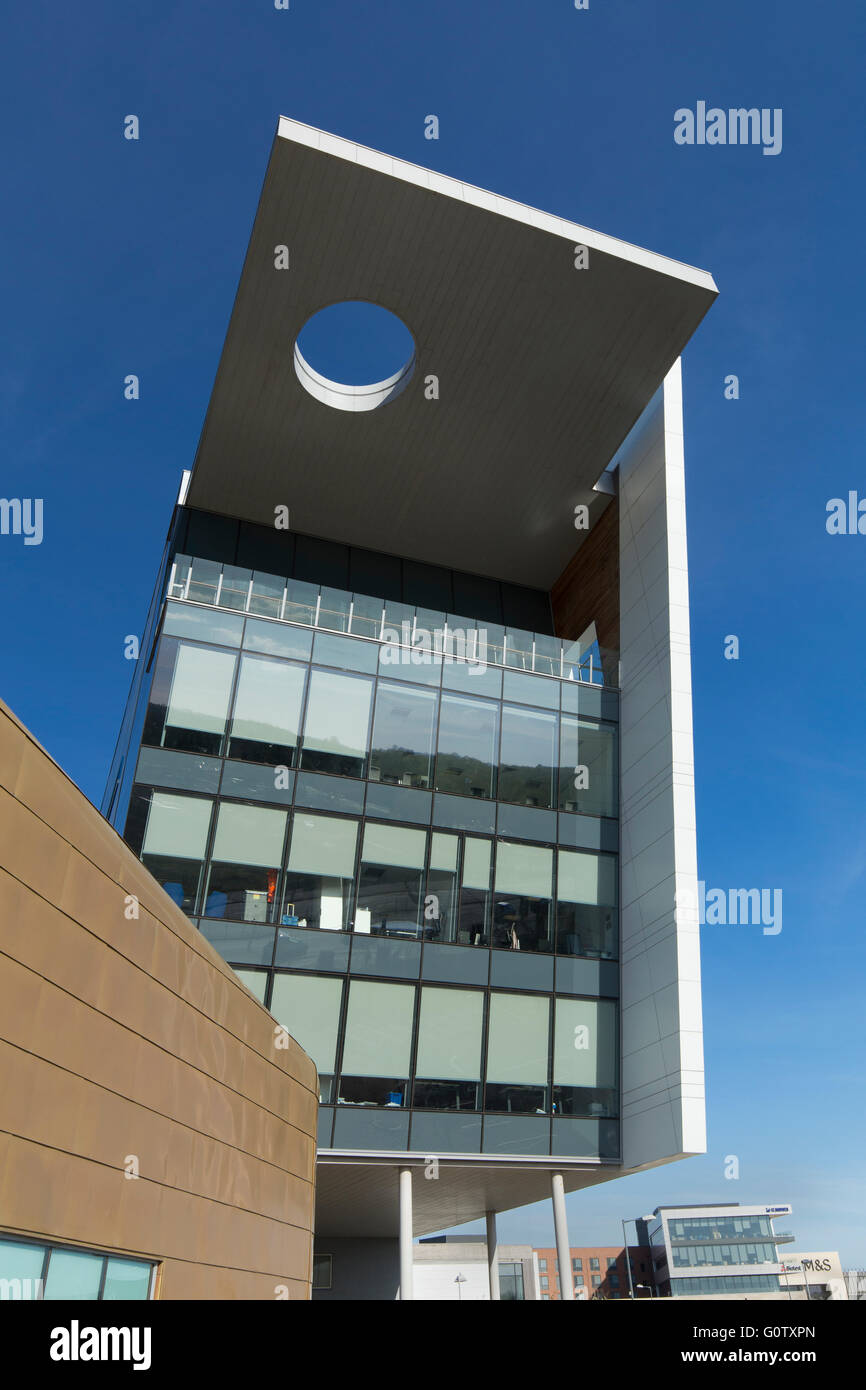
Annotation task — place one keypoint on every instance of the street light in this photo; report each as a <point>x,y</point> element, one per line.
<point>632,1220</point>
<point>461,1279</point>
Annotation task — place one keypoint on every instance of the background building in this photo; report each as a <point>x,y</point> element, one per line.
<point>724,1251</point>
<point>817,1275</point>
<point>598,1271</point>
<point>456,1269</point>
<point>154,1141</point>
<point>419,765</point>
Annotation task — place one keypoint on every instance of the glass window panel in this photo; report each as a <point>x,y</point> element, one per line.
<point>249,835</point>
<point>267,711</point>
<point>441,901</point>
<point>420,664</point>
<point>518,649</point>
<point>301,601</point>
<point>392,844</point>
<point>586,1043</point>
<point>475,677</point>
<point>267,595</point>
<point>185,620</point>
<point>256,982</point>
<point>468,739</point>
<point>73,1274</point>
<point>235,587</point>
<point>586,878</point>
<point>477,855</point>
<point>378,1029</point>
<point>530,690</point>
<point>475,898</point>
<point>257,782</point>
<point>524,870</point>
<point>403,730</point>
<point>177,826</point>
<point>337,723</point>
<point>586,744</point>
<point>367,615</point>
<point>126,1279</point>
<point>204,580</point>
<point>323,845</point>
<point>517,1052</point>
<point>346,653</point>
<point>449,1034</point>
<point>199,699</point>
<point>334,609</point>
<point>276,639</point>
<point>391,882</point>
<point>517,1046</point>
<point>309,1007</point>
<point>443,852</point>
<point>527,756</point>
<point>22,1262</point>
<point>586,914</point>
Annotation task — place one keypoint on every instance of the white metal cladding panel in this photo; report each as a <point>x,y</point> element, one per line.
<point>663,1113</point>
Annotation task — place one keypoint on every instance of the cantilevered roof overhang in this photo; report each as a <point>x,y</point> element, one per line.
<point>542,367</point>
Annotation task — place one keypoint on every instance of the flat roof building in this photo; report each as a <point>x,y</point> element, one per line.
<point>724,1251</point>
<point>410,738</point>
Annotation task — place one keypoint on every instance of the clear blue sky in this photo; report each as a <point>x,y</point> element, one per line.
<point>123,257</point>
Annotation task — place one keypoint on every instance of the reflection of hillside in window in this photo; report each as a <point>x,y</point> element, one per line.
<point>468,736</point>
<point>403,727</point>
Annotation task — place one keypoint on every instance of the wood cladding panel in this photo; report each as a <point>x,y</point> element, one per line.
<point>588,590</point>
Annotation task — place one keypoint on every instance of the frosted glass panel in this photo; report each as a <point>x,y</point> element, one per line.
<point>338,714</point>
<point>585,1047</point>
<point>391,844</point>
<point>449,1034</point>
<point>200,689</point>
<point>517,1045</point>
<point>586,878</point>
<point>443,852</point>
<point>323,845</point>
<point>177,826</point>
<point>249,835</point>
<point>126,1279</point>
<point>476,863</point>
<point>525,870</point>
<point>73,1274</point>
<point>268,701</point>
<point>309,1008</point>
<point>378,1029</point>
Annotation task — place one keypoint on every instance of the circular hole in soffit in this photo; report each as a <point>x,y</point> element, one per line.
<point>354,355</point>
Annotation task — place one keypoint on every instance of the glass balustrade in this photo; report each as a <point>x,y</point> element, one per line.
<point>362,615</point>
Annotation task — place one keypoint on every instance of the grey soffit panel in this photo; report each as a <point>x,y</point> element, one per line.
<point>543,368</point>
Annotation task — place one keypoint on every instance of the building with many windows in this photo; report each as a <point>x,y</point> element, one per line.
<point>409,740</point>
<point>598,1271</point>
<point>725,1251</point>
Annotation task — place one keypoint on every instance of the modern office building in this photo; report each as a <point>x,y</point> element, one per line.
<point>154,1143</point>
<point>409,740</point>
<point>725,1251</point>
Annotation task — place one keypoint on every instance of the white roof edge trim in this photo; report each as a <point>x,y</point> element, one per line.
<point>301,134</point>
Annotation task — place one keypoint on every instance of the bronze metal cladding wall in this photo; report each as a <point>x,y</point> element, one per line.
<point>128,1041</point>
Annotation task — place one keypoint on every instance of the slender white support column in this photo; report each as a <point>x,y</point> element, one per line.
<point>406,1235</point>
<point>492,1256</point>
<point>560,1226</point>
